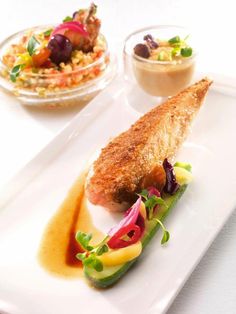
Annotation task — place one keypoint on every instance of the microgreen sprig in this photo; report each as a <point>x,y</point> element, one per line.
<point>89,257</point>
<point>186,52</point>
<point>180,47</point>
<point>166,234</point>
<point>101,249</point>
<point>83,239</point>
<point>144,194</point>
<point>174,40</point>
<point>151,202</point>
<point>90,261</point>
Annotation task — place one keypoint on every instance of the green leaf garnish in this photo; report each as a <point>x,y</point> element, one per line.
<point>166,234</point>
<point>32,44</point>
<point>180,47</point>
<point>186,52</point>
<point>166,237</point>
<point>83,239</point>
<point>93,262</point>
<point>174,40</point>
<point>81,256</point>
<point>184,165</point>
<point>67,19</point>
<point>144,194</point>
<point>97,265</point>
<point>151,202</point>
<point>48,32</point>
<point>15,72</point>
<point>102,249</point>
<point>89,258</point>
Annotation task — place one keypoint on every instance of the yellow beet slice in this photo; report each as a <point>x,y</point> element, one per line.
<point>143,211</point>
<point>120,256</point>
<point>183,176</point>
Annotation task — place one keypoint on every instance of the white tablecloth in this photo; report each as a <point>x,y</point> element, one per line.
<point>24,131</point>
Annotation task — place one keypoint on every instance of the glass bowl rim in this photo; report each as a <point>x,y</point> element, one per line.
<point>148,61</point>
<point>50,75</point>
<point>111,69</point>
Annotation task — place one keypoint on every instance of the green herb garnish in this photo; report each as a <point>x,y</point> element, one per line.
<point>151,203</point>
<point>67,19</point>
<point>15,72</point>
<point>89,258</point>
<point>174,40</point>
<point>166,234</point>
<point>144,194</point>
<point>180,47</point>
<point>32,44</point>
<point>83,239</point>
<point>186,52</point>
<point>102,249</point>
<point>48,32</point>
<point>90,261</point>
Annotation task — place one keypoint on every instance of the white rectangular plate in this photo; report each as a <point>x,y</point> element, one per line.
<point>34,195</point>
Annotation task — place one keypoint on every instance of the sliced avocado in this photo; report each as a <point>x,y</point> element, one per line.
<point>111,275</point>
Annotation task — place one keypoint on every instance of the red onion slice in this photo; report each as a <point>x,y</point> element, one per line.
<point>129,219</point>
<point>73,26</point>
<point>133,233</point>
<point>132,226</point>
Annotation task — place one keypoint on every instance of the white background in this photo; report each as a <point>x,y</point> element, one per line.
<point>24,131</point>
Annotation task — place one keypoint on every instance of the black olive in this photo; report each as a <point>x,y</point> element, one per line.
<point>142,50</point>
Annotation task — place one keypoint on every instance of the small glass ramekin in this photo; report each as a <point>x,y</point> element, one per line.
<point>158,78</point>
<point>89,84</point>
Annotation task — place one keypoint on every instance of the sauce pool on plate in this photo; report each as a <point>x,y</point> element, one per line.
<point>58,248</point>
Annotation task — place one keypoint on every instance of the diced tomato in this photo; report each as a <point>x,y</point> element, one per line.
<point>47,64</point>
<point>96,71</point>
<point>41,57</point>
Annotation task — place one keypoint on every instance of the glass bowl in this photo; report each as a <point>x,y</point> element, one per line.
<point>59,89</point>
<point>158,78</point>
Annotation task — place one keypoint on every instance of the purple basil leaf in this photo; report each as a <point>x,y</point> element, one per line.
<point>171,185</point>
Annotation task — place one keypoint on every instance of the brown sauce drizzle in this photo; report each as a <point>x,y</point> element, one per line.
<point>58,247</point>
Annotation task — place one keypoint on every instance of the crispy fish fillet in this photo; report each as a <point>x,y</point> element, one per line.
<point>133,160</point>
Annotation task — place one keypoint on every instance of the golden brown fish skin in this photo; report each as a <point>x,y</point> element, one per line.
<point>129,159</point>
